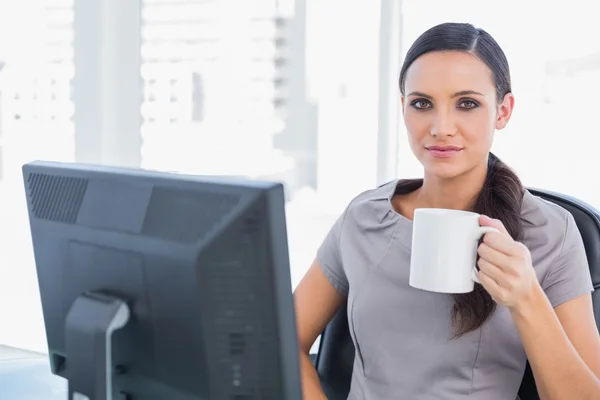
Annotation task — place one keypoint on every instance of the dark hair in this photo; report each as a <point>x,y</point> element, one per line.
<point>502,193</point>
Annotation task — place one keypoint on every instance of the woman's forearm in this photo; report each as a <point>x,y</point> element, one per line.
<point>311,385</point>
<point>560,373</point>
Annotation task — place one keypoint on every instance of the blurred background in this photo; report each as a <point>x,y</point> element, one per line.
<point>304,92</point>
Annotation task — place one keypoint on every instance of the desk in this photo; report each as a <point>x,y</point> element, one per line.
<point>26,375</point>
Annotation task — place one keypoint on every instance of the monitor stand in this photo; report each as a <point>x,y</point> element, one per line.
<point>90,323</point>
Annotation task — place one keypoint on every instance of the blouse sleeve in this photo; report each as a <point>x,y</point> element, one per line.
<point>570,274</point>
<point>330,258</point>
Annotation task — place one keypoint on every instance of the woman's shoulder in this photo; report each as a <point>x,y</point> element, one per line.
<point>547,226</point>
<point>373,207</point>
<point>537,212</point>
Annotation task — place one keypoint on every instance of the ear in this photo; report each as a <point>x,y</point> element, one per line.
<point>505,110</point>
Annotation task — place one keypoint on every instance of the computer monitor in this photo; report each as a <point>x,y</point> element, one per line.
<point>163,286</point>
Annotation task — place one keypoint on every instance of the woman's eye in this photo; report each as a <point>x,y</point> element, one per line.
<point>421,104</point>
<point>468,104</point>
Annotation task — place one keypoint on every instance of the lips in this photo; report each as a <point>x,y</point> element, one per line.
<point>443,151</point>
<point>445,148</point>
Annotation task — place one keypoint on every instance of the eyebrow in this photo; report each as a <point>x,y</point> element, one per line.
<point>457,94</point>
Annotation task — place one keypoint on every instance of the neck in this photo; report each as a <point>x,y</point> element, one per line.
<point>456,193</point>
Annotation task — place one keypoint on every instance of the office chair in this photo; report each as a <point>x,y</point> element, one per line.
<point>336,351</point>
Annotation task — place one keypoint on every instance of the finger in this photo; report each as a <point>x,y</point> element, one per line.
<point>501,243</point>
<point>497,274</point>
<point>484,220</point>
<point>495,257</point>
<point>490,285</point>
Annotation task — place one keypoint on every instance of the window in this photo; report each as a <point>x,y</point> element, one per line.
<point>191,86</point>
<point>35,123</point>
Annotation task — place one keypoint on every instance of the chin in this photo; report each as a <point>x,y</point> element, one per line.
<point>444,170</point>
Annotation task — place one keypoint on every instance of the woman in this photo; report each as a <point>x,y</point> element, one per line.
<point>534,301</point>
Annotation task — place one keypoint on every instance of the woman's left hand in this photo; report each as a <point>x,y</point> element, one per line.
<point>505,268</point>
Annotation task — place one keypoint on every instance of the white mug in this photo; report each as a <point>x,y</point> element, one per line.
<point>444,250</point>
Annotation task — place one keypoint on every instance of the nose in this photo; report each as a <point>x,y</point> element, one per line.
<point>443,125</point>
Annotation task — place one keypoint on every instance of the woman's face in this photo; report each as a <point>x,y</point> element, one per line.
<point>451,111</point>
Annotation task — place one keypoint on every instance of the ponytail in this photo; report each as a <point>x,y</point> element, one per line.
<point>500,198</point>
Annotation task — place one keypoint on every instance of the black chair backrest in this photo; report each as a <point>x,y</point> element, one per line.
<point>336,351</point>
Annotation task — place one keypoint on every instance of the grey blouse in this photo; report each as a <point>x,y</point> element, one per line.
<point>403,336</point>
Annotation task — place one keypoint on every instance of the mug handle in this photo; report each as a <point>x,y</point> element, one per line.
<point>480,232</point>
